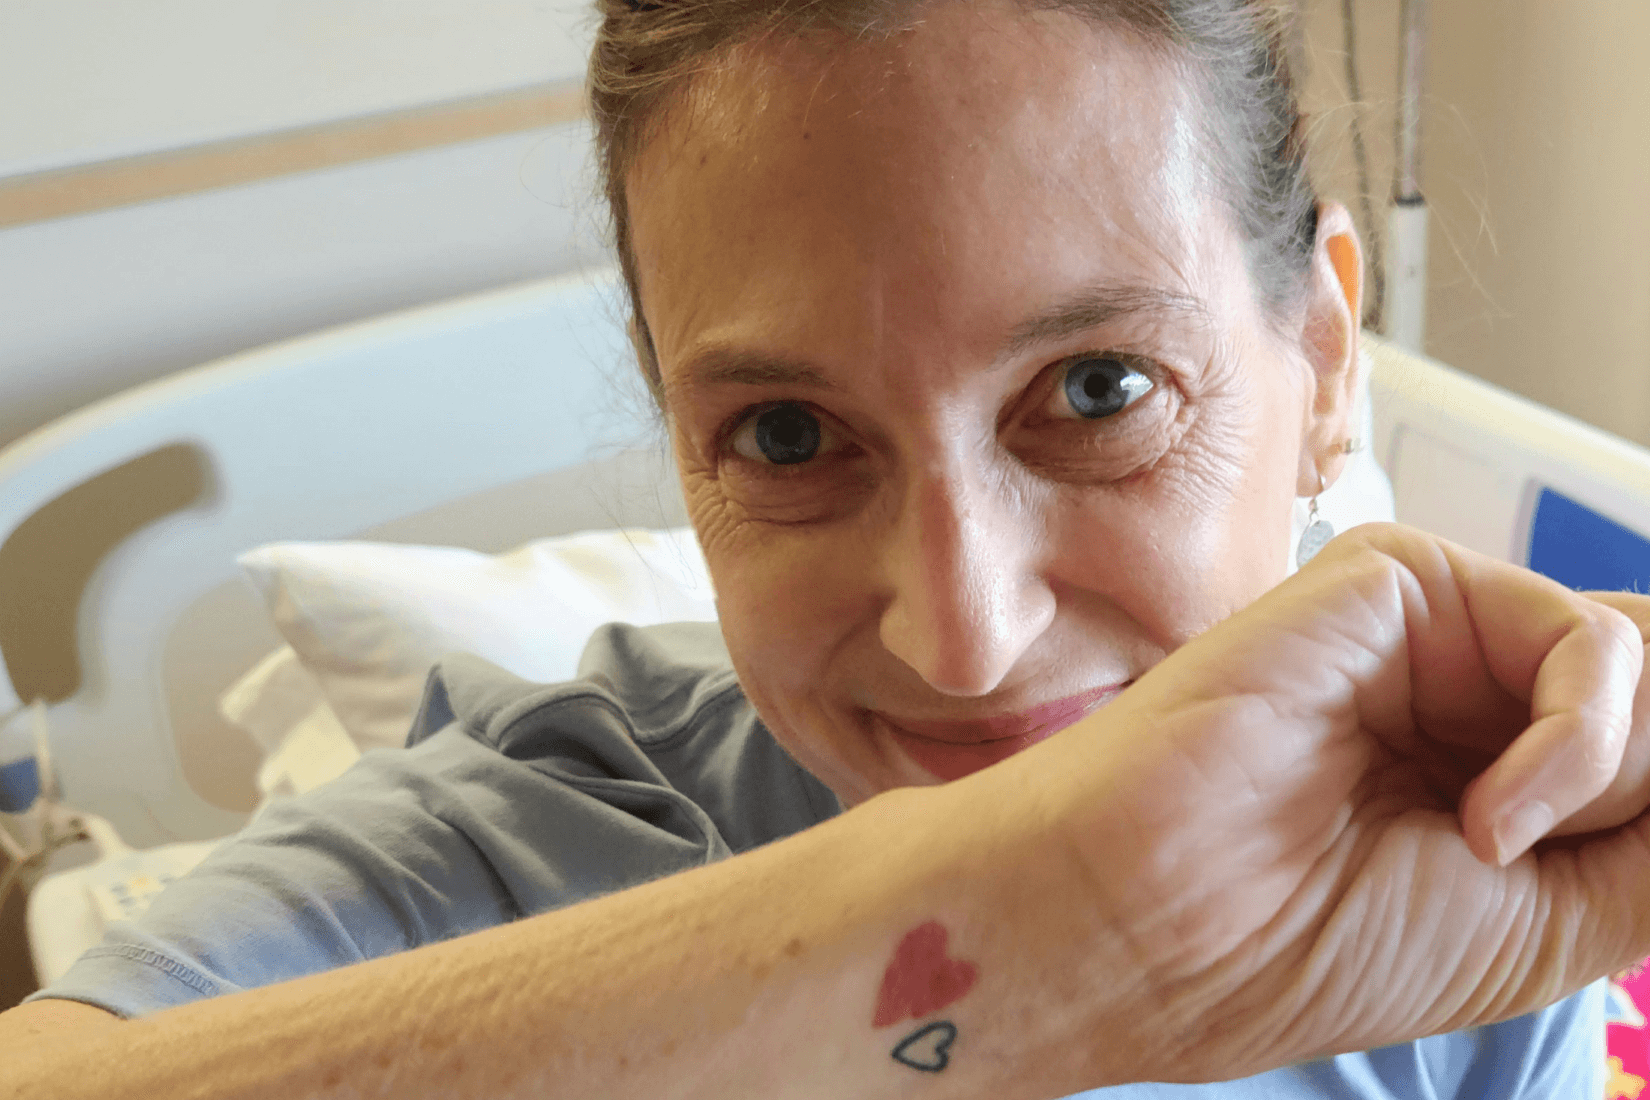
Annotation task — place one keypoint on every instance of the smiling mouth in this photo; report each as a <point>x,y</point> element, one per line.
<point>951,750</point>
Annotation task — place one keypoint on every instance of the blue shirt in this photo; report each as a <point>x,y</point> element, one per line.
<point>512,799</point>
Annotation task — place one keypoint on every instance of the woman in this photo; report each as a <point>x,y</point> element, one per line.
<point>996,341</point>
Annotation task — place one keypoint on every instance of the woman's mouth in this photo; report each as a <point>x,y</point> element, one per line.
<point>951,750</point>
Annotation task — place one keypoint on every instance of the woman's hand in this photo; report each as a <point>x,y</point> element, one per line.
<point>1312,823</point>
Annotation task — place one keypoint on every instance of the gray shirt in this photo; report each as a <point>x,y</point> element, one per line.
<point>512,799</point>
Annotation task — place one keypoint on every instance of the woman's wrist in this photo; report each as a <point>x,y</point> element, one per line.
<point>931,937</point>
<point>988,879</point>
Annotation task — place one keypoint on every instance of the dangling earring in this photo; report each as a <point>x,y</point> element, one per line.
<point>1318,531</point>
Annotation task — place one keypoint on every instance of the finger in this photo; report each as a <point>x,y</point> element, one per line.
<point>1629,793</point>
<point>1579,662</point>
<point>1632,604</point>
<point>1518,670</point>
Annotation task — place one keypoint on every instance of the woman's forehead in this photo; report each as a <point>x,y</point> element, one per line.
<point>954,178</point>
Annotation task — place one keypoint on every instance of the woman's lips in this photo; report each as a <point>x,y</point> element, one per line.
<point>951,750</point>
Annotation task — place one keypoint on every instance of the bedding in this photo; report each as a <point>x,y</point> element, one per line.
<point>364,622</point>
<point>280,706</point>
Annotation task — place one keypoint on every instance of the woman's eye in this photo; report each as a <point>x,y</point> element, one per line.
<point>1100,386</point>
<point>783,435</point>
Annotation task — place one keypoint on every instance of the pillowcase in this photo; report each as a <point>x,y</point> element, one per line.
<point>279,705</point>
<point>366,621</point>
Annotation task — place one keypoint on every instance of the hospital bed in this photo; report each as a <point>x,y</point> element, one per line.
<point>515,415</point>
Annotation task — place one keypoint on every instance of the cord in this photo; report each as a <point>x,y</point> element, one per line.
<point>50,810</point>
<point>13,874</point>
<point>1374,312</point>
<point>14,852</point>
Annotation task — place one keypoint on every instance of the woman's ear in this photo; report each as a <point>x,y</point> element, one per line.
<point>1329,340</point>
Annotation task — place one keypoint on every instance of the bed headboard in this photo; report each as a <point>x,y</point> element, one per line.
<point>481,422</point>
<point>1505,476</point>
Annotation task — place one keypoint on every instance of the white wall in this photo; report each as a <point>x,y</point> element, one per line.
<point>94,304</point>
<point>1537,143</point>
<point>1537,167</point>
<point>88,80</point>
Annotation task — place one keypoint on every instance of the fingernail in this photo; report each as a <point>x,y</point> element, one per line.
<point>1521,827</point>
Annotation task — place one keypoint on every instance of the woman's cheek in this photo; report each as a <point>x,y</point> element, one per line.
<point>1172,549</point>
<point>792,596</point>
<point>1228,546</point>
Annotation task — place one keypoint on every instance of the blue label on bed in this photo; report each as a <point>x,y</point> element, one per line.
<point>19,784</point>
<point>1577,546</point>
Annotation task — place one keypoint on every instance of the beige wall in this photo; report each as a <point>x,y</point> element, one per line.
<point>1537,166</point>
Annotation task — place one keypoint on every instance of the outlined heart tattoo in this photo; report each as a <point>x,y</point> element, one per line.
<point>922,979</point>
<point>928,1048</point>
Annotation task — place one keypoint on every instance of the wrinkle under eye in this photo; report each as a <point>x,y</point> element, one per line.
<point>1102,386</point>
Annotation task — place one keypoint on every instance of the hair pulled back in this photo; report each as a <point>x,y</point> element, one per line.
<point>648,52</point>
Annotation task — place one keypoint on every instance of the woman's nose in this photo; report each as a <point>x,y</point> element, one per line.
<point>967,597</point>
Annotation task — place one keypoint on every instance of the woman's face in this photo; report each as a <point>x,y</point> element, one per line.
<point>976,411</point>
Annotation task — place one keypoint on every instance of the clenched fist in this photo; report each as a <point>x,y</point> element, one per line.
<point>1312,825</point>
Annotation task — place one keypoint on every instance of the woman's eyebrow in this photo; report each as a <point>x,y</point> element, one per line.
<point>1101,304</point>
<point>719,365</point>
<point>1089,308</point>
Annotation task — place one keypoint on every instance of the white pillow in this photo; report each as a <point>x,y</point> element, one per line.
<point>272,698</point>
<point>280,706</point>
<point>367,620</point>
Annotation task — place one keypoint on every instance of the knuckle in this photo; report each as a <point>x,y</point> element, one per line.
<point>1617,635</point>
<point>1600,758</point>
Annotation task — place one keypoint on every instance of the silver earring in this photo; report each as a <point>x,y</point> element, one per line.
<point>1318,531</point>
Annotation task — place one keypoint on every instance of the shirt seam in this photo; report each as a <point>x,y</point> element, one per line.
<point>688,725</point>
<point>165,964</point>
<point>691,722</point>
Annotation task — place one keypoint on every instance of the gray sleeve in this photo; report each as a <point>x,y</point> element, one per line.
<point>411,846</point>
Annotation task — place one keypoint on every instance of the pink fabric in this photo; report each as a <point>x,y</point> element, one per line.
<point>1626,1040</point>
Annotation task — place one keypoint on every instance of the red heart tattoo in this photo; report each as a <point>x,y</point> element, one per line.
<point>922,978</point>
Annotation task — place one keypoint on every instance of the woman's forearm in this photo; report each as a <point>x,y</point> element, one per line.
<point>903,949</point>
<point>1277,845</point>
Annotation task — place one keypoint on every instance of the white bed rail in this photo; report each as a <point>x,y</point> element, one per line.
<point>322,437</point>
<point>1505,476</point>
